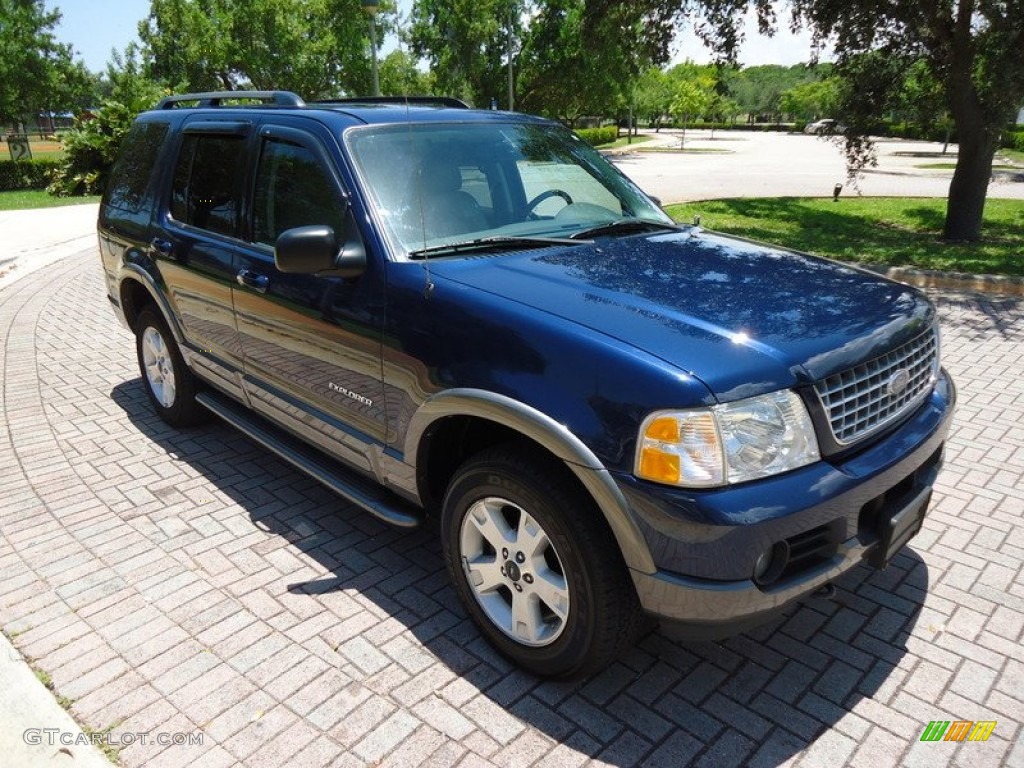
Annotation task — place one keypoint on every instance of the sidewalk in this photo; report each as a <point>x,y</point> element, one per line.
<point>35,238</point>
<point>36,732</point>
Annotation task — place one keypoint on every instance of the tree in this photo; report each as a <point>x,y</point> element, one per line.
<point>812,100</point>
<point>465,42</point>
<point>37,74</point>
<point>399,76</point>
<point>922,100</point>
<point>974,48</point>
<point>564,73</point>
<point>692,99</point>
<point>317,48</point>
<point>94,141</point>
<point>758,90</point>
<point>654,96</point>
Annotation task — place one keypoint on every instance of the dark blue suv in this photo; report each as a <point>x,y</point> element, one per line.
<point>469,314</point>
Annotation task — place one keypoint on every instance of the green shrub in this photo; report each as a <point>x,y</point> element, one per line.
<point>90,149</point>
<point>34,174</point>
<point>597,136</point>
<point>1013,139</point>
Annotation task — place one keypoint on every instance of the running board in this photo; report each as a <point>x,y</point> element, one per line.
<point>362,492</point>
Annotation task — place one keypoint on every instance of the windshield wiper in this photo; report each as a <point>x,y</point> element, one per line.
<point>624,226</point>
<point>491,243</point>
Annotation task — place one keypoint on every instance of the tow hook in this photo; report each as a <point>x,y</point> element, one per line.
<point>825,591</point>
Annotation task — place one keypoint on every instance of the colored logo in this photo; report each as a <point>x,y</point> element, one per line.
<point>958,730</point>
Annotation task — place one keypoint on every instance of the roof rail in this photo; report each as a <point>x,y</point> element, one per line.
<point>214,98</point>
<point>438,101</point>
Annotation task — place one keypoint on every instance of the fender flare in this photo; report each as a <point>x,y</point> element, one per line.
<point>557,439</point>
<point>132,271</point>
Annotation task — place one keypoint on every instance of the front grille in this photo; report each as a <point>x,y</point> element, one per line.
<point>860,400</point>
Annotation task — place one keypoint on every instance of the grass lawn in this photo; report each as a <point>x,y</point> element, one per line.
<point>884,231</point>
<point>39,198</point>
<point>951,166</point>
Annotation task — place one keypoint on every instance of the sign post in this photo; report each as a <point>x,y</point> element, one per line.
<point>18,147</point>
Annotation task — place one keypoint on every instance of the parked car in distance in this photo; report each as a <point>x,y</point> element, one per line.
<point>471,315</point>
<point>822,126</point>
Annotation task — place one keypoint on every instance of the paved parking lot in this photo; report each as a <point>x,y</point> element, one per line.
<point>189,583</point>
<point>767,164</point>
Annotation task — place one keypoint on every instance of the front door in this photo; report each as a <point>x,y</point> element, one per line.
<point>311,344</point>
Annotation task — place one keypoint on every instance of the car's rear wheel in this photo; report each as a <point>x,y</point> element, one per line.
<point>535,565</point>
<point>169,383</point>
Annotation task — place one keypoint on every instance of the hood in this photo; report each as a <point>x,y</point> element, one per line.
<point>743,317</point>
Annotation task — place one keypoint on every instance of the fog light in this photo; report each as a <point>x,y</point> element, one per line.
<point>771,563</point>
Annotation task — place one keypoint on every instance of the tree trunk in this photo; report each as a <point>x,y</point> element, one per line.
<point>967,191</point>
<point>978,142</point>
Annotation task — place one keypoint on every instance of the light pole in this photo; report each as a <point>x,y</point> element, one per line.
<point>371,6</point>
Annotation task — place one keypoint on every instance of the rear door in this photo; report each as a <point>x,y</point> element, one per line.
<point>311,344</point>
<point>196,250</point>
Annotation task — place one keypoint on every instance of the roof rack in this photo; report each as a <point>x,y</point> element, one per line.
<point>215,98</point>
<point>437,101</point>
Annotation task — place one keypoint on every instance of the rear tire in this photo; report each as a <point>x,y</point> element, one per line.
<point>169,383</point>
<point>536,566</point>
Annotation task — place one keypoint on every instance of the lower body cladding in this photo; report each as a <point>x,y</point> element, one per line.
<point>731,558</point>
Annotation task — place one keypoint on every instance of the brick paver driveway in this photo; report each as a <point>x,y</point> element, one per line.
<point>190,582</point>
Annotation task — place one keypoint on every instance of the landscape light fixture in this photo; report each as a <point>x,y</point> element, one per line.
<point>835,192</point>
<point>370,7</point>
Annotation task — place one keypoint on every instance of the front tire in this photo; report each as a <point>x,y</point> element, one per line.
<point>535,565</point>
<point>169,383</point>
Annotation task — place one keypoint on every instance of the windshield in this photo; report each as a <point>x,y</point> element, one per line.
<point>439,184</point>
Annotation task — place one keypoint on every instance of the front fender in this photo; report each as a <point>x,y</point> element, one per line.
<point>553,436</point>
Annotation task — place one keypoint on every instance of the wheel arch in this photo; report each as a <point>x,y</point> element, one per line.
<point>136,289</point>
<point>456,423</point>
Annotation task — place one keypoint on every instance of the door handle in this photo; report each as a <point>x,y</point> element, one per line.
<point>254,280</point>
<point>162,247</point>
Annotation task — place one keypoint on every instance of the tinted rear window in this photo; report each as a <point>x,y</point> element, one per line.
<point>129,180</point>
<point>206,190</point>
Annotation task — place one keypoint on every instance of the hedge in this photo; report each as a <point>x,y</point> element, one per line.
<point>597,136</point>
<point>1013,140</point>
<point>34,174</point>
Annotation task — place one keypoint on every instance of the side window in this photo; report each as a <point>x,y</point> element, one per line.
<point>129,181</point>
<point>206,191</point>
<point>293,189</point>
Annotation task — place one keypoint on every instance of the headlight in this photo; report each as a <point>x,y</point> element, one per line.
<point>729,443</point>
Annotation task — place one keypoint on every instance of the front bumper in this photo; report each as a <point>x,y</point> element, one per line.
<point>705,543</point>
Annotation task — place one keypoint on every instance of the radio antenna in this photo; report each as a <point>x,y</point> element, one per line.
<point>428,285</point>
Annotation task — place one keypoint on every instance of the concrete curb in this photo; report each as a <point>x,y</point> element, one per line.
<point>963,282</point>
<point>37,731</point>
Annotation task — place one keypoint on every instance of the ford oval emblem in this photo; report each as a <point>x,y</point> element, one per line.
<point>898,382</point>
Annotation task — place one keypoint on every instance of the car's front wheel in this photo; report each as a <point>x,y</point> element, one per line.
<point>169,383</point>
<point>536,566</point>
